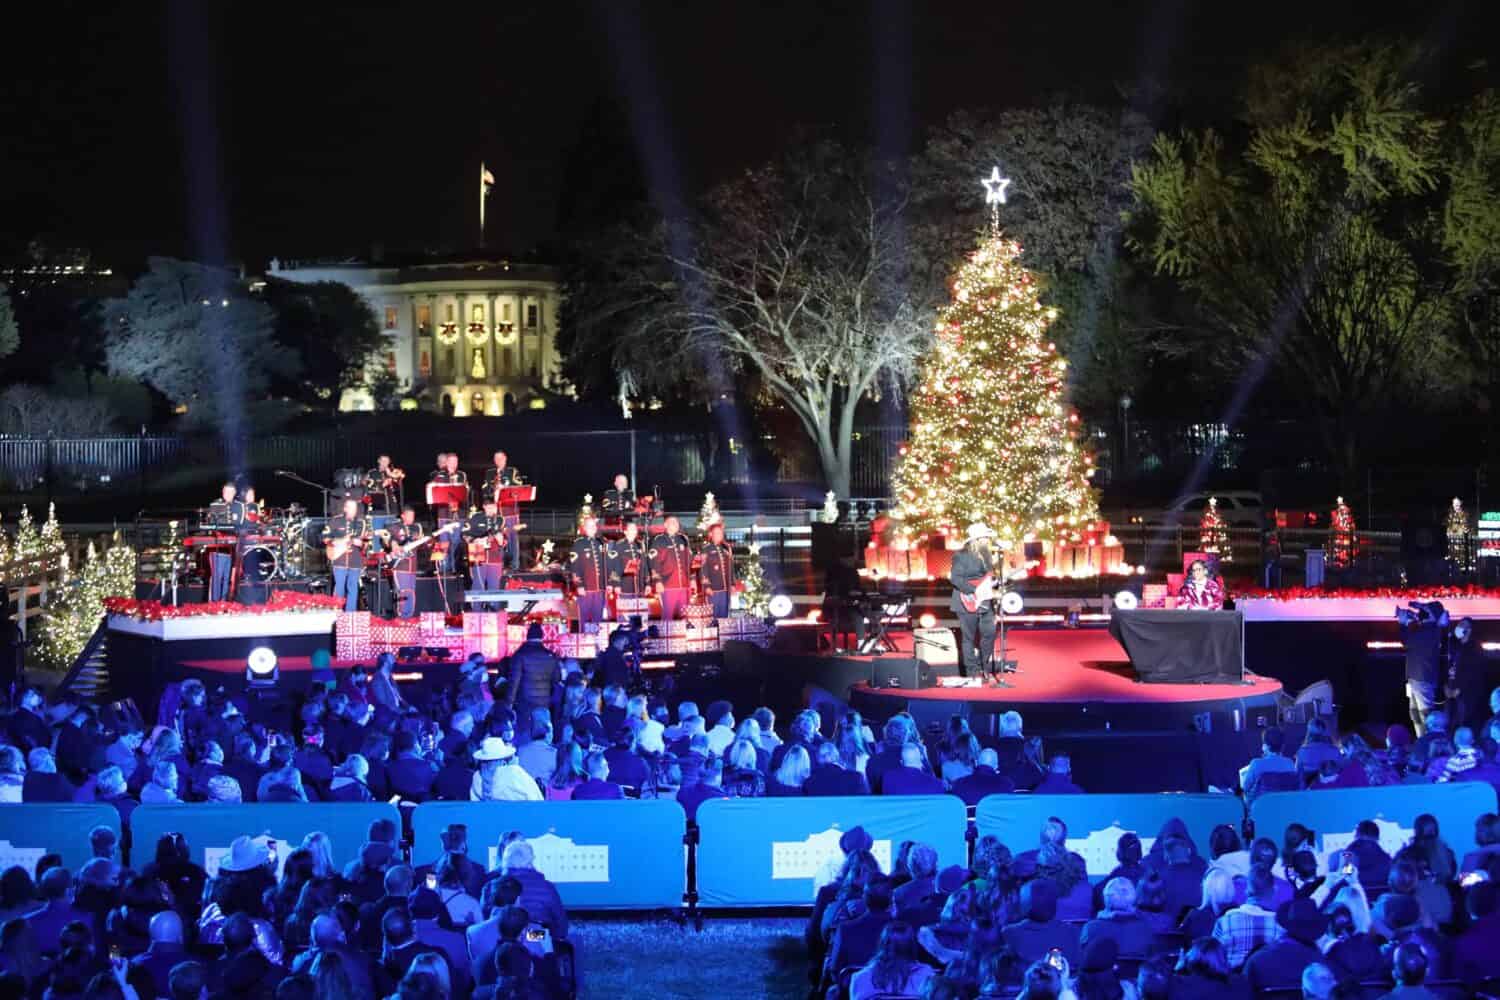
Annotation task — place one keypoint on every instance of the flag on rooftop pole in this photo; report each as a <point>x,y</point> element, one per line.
<point>486,181</point>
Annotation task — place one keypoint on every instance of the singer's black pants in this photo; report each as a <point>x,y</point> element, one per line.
<point>976,643</point>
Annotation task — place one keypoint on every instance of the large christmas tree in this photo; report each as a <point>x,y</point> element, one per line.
<point>992,436</point>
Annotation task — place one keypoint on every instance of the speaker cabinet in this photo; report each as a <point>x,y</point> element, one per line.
<point>902,672</point>
<point>937,648</point>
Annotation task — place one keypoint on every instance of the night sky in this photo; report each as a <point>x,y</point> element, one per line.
<point>240,131</point>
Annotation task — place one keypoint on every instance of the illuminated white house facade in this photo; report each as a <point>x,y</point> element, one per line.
<point>476,336</point>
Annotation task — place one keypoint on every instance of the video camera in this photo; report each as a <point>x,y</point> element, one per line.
<point>1422,613</point>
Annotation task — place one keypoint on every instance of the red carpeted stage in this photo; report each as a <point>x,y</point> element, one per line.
<point>1073,678</point>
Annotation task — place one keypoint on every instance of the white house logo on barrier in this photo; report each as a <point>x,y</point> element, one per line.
<point>12,856</point>
<point>1393,837</point>
<point>563,861</point>
<point>804,858</point>
<point>1098,848</point>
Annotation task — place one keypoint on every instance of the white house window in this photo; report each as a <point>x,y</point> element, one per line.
<point>531,314</point>
<point>476,314</point>
<point>390,317</point>
<point>448,313</point>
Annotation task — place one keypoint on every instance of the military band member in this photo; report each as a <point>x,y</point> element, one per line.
<point>630,564</point>
<point>588,567</point>
<point>501,473</point>
<point>447,473</point>
<point>383,483</point>
<point>455,474</point>
<point>344,539</point>
<point>486,533</point>
<point>671,567</point>
<point>404,570</point>
<point>226,513</point>
<point>619,501</point>
<point>439,473</point>
<point>717,573</point>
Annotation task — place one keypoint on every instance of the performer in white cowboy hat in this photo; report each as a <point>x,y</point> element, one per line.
<point>973,576</point>
<point>499,779</point>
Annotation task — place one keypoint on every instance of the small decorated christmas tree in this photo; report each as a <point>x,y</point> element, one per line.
<point>755,599</point>
<point>70,619</point>
<point>1213,533</point>
<point>992,436</point>
<point>830,514</point>
<point>587,510</point>
<point>1460,538</point>
<point>708,514</point>
<point>1342,543</point>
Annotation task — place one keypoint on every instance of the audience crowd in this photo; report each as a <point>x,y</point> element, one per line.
<point>1177,920</point>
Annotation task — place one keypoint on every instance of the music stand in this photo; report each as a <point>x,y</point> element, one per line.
<point>447,495</point>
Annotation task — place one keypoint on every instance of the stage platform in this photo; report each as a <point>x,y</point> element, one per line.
<point>1067,679</point>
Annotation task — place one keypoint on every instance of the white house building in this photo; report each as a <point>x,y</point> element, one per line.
<point>476,335</point>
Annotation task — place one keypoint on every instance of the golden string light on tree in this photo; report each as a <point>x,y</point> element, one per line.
<point>992,436</point>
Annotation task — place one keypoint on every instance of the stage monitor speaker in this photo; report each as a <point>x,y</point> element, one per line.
<point>901,672</point>
<point>1424,551</point>
<point>938,649</point>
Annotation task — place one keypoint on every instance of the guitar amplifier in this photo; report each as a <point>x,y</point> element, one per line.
<point>902,672</point>
<point>938,649</point>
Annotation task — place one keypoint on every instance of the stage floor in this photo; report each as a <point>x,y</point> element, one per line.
<point>1075,679</point>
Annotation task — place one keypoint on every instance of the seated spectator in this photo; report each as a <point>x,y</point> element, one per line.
<point>691,796</point>
<point>312,758</point>
<point>1407,885</point>
<point>1059,779</point>
<point>1466,755</point>
<point>598,785</point>
<point>1365,852</point>
<point>175,869</point>
<point>918,901</point>
<point>539,897</point>
<point>17,893</point>
<point>648,731</point>
<point>45,924</point>
<point>847,899</point>
<point>1476,957</point>
<point>830,777</point>
<point>894,969</point>
<point>888,755</point>
<point>1128,853</point>
<point>1318,982</point>
<point>109,787</point>
<point>282,782</point>
<point>1066,869</point>
<point>1270,761</point>
<point>626,766</point>
<point>1302,873</point>
<point>1154,905</point>
<point>42,782</point>
<point>1486,842</point>
<point>452,889</point>
<point>1218,897</point>
<point>1204,973</point>
<point>720,720</point>
<point>912,777</point>
<point>537,756</point>
<point>1119,920</point>
<point>1098,976</point>
<point>1317,747</point>
<point>749,731</point>
<point>455,841</point>
<point>499,897</point>
<point>1349,948</point>
<point>21,956</point>
<point>165,952</point>
<point>791,777</point>
<point>399,945</point>
<point>1279,964</point>
<point>959,753</point>
<point>678,734</point>
<point>853,738</point>
<point>742,778</point>
<point>1428,848</point>
<point>223,788</point>
<point>1250,925</point>
<point>856,937</point>
<point>1409,969</point>
<point>1039,931</point>
<point>163,784</point>
<point>435,933</point>
<point>985,779</point>
<point>499,778</point>
<point>398,886</point>
<point>350,781</point>
<point>411,775</point>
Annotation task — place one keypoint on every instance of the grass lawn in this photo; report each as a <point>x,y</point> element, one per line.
<point>660,960</point>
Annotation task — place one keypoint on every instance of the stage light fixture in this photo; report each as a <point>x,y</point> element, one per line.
<point>780,606</point>
<point>927,620</point>
<point>1012,603</point>
<point>261,670</point>
<point>1126,600</point>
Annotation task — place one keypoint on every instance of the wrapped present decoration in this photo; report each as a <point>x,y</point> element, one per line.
<point>698,613</point>
<point>1154,595</point>
<point>432,624</point>
<point>490,646</point>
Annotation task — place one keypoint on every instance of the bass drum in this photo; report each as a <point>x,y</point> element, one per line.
<point>259,564</point>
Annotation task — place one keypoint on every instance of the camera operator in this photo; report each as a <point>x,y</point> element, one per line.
<point>1423,626</point>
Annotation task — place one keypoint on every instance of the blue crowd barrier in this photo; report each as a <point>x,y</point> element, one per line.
<point>625,854</point>
<point>1332,814</point>
<point>210,827</point>
<point>29,831</point>
<point>1096,821</point>
<point>767,852</point>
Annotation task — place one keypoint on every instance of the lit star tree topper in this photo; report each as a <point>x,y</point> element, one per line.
<point>992,436</point>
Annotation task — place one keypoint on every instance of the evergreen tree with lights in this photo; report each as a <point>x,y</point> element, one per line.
<point>1213,533</point>
<point>755,598</point>
<point>1342,542</point>
<point>992,436</point>
<point>708,514</point>
<point>71,619</point>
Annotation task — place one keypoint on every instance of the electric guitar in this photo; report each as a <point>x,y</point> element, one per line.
<point>480,547</point>
<point>984,591</point>
<point>399,552</point>
<point>337,548</point>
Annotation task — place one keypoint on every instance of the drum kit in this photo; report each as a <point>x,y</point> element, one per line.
<point>275,547</point>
